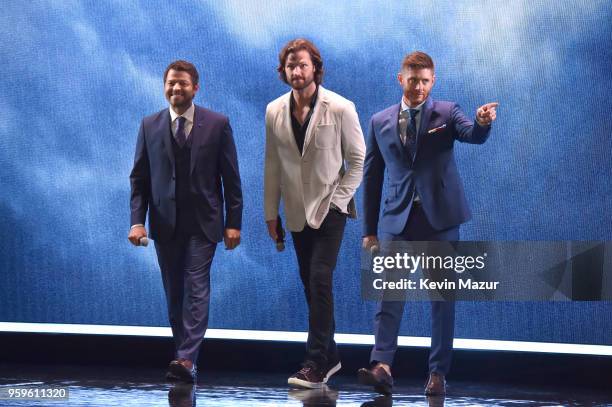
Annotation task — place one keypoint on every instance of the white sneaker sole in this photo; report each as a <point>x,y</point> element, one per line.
<point>332,371</point>
<point>314,385</point>
<point>304,384</point>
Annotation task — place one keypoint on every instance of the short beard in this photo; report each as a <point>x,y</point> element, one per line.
<point>306,84</point>
<point>182,105</point>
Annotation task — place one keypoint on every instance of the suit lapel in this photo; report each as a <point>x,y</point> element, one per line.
<point>393,131</point>
<point>166,132</point>
<point>317,115</point>
<point>285,116</point>
<point>197,135</point>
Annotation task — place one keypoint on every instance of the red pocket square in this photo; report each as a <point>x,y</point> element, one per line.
<point>432,131</point>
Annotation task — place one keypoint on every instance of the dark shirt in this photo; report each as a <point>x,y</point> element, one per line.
<point>299,130</point>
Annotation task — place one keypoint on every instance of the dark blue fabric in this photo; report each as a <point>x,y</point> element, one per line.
<point>388,316</point>
<point>185,269</point>
<point>180,136</point>
<point>433,174</point>
<point>212,162</point>
<point>185,200</point>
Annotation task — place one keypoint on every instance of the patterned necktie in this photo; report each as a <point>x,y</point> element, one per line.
<point>411,130</point>
<point>180,136</point>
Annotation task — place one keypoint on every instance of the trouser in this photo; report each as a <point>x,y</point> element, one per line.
<point>389,313</point>
<point>317,252</point>
<point>185,268</point>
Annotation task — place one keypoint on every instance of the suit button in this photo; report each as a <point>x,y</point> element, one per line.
<point>173,178</point>
<point>172,198</point>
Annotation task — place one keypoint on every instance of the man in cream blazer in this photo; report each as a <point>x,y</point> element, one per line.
<point>314,161</point>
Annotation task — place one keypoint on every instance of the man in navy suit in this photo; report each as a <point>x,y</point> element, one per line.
<point>185,169</point>
<point>413,140</point>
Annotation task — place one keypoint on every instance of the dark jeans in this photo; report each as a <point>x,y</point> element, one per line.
<point>389,315</point>
<point>185,267</point>
<point>317,252</point>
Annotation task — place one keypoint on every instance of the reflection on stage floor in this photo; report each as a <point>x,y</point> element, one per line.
<point>114,386</point>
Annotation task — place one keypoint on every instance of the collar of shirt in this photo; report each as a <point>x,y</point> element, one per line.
<point>313,101</point>
<point>404,119</point>
<point>405,106</point>
<point>188,115</point>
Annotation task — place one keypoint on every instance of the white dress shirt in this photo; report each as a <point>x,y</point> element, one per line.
<point>188,115</point>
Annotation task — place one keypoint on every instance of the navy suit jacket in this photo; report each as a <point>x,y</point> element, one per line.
<point>214,164</point>
<point>432,172</point>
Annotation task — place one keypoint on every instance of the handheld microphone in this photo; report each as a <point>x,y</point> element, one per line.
<point>280,235</point>
<point>143,241</point>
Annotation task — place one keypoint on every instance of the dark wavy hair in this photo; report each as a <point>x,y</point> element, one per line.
<point>296,45</point>
<point>184,66</point>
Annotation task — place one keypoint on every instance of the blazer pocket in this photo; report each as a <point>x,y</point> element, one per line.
<point>437,130</point>
<point>393,191</point>
<point>326,137</point>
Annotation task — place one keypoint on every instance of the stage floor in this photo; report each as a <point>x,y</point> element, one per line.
<point>123,386</point>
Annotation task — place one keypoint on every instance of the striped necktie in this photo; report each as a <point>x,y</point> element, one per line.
<point>180,136</point>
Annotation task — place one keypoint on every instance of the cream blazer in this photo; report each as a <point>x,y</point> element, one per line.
<point>329,170</point>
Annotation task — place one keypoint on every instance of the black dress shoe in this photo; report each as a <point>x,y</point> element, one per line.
<point>179,370</point>
<point>436,385</point>
<point>378,377</point>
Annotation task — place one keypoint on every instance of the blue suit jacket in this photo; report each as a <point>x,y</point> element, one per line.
<point>432,173</point>
<point>214,163</point>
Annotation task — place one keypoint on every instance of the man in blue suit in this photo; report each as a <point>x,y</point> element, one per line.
<point>413,140</point>
<point>185,169</point>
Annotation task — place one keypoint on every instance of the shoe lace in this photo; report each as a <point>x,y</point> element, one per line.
<point>305,370</point>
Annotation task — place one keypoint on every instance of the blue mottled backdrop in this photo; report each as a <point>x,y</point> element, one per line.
<point>78,76</point>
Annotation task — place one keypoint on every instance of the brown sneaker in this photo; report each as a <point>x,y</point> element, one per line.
<point>308,377</point>
<point>436,385</point>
